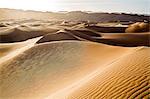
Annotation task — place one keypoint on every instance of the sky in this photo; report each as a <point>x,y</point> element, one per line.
<point>125,6</point>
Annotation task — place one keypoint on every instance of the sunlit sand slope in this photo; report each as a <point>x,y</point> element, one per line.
<point>10,50</point>
<point>48,68</point>
<point>126,78</point>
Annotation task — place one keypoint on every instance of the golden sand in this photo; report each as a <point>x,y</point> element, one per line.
<point>73,63</point>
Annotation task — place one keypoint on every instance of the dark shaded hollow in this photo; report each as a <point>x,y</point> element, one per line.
<point>128,40</point>
<point>56,37</point>
<point>107,29</point>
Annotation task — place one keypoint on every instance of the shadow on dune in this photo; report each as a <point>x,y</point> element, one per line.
<point>119,39</point>
<point>3,25</point>
<point>57,37</point>
<point>108,35</point>
<point>126,40</point>
<point>67,34</point>
<point>107,29</point>
<point>87,32</point>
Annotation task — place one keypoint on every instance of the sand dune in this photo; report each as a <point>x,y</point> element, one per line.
<point>22,33</point>
<point>73,60</point>
<point>68,34</point>
<point>127,40</point>
<point>10,50</point>
<point>59,36</point>
<point>6,48</point>
<point>71,16</point>
<point>125,78</point>
<point>47,68</point>
<point>118,39</point>
<point>138,27</point>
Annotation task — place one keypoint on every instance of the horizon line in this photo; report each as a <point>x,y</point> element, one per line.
<point>86,11</point>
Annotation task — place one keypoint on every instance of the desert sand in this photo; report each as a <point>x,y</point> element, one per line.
<point>74,60</point>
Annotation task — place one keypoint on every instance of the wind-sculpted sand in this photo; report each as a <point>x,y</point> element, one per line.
<point>23,32</point>
<point>138,27</point>
<point>126,78</point>
<point>9,50</point>
<point>62,60</point>
<point>72,60</point>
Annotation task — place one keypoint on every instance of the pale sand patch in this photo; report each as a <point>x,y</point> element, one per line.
<point>14,49</point>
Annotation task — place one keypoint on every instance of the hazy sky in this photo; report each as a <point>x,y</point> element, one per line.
<point>129,6</point>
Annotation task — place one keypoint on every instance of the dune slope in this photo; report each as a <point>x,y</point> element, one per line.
<point>126,40</point>
<point>22,33</point>
<point>59,36</point>
<point>49,67</point>
<point>125,78</point>
<point>73,60</point>
<point>10,50</point>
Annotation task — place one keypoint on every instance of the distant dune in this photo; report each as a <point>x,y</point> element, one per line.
<point>22,33</point>
<point>57,37</point>
<point>59,59</point>
<point>71,16</point>
<point>138,27</point>
<point>127,39</point>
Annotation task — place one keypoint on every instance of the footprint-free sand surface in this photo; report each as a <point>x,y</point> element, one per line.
<point>52,60</point>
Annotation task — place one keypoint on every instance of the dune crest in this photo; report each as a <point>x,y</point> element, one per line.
<point>138,27</point>
<point>8,50</point>
<point>72,59</point>
<point>120,79</point>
